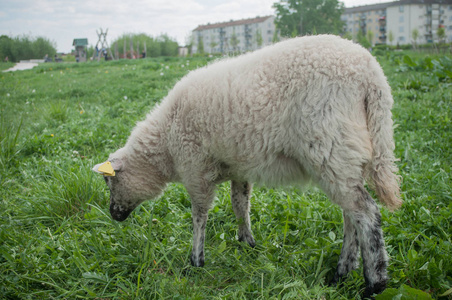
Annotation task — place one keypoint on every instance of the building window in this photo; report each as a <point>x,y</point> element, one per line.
<point>401,39</point>
<point>401,29</point>
<point>401,8</point>
<point>401,19</point>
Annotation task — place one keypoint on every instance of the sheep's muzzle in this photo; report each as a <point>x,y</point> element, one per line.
<point>118,213</point>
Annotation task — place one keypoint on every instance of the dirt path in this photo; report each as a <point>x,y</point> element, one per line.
<point>22,66</point>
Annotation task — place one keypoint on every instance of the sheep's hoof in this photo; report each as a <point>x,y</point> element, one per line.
<point>376,288</point>
<point>197,261</point>
<point>337,280</point>
<point>334,281</point>
<point>248,239</point>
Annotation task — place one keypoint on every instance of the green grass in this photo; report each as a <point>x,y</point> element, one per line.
<point>6,65</point>
<point>57,239</point>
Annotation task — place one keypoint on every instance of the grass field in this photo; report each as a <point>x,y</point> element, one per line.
<point>57,239</point>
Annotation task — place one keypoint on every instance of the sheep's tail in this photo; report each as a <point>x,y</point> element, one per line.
<point>382,171</point>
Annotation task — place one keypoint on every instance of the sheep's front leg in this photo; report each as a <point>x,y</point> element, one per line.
<point>348,259</point>
<point>199,233</point>
<point>240,198</point>
<point>201,198</point>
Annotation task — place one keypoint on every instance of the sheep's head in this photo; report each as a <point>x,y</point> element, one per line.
<point>128,188</point>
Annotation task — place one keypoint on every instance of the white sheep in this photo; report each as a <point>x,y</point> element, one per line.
<point>307,109</point>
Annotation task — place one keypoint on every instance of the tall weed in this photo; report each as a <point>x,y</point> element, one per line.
<point>9,135</point>
<point>66,191</point>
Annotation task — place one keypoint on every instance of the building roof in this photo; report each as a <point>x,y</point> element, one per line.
<point>406,2</point>
<point>80,42</point>
<point>232,23</point>
<point>366,8</point>
<point>395,3</point>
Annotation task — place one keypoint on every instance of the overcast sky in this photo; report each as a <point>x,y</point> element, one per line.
<point>63,20</point>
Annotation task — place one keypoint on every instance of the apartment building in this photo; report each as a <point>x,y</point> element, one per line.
<point>394,22</point>
<point>367,18</point>
<point>234,36</point>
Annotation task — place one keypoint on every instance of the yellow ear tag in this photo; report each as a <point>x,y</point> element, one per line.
<point>107,169</point>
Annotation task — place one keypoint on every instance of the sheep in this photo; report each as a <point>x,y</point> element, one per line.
<point>310,109</point>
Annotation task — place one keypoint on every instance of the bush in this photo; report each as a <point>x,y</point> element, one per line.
<point>25,47</point>
<point>162,45</point>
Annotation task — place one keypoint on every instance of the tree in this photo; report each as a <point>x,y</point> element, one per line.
<point>370,37</point>
<point>300,17</point>
<point>415,35</point>
<point>25,47</point>
<point>363,40</point>
<point>212,44</point>
<point>441,33</point>
<point>275,37</point>
<point>5,48</point>
<point>162,45</point>
<point>189,43</point>
<point>390,37</point>
<point>234,41</point>
<point>200,45</point>
<point>259,39</point>
<point>347,35</point>
<point>168,46</point>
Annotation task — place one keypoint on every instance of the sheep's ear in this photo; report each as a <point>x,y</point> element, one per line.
<point>105,169</point>
<point>116,163</point>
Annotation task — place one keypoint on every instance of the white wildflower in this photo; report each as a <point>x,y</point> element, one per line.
<point>125,97</point>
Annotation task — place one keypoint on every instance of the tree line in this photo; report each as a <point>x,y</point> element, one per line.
<point>309,17</point>
<point>25,47</point>
<point>129,45</point>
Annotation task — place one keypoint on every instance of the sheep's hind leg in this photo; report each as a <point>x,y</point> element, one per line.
<point>348,260</point>
<point>366,219</point>
<point>240,199</point>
